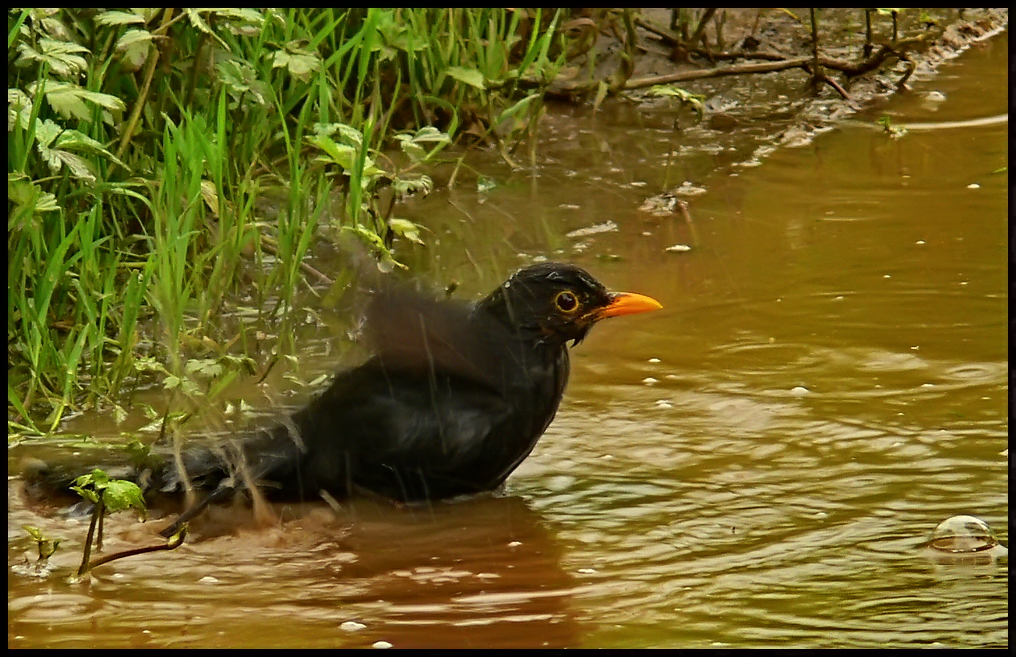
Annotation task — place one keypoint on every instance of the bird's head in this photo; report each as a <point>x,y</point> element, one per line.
<point>556,302</point>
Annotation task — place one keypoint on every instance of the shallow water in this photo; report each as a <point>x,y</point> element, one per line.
<point>759,464</point>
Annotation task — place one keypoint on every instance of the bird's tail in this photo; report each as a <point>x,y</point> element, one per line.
<point>191,478</point>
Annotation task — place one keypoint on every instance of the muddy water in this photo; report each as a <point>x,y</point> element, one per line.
<point>759,464</point>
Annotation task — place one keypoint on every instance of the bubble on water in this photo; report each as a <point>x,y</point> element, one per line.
<point>965,538</point>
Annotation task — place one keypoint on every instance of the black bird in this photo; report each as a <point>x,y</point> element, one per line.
<point>455,396</point>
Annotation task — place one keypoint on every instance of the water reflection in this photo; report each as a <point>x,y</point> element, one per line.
<point>486,571</point>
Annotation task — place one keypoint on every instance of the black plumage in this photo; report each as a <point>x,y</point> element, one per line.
<point>455,396</point>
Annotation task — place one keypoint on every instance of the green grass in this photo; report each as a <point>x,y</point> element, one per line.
<point>168,167</point>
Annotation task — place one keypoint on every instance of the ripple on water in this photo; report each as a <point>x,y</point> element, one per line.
<point>976,373</point>
<point>54,608</point>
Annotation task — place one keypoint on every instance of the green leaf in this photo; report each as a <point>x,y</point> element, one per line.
<point>54,145</point>
<point>25,193</point>
<point>34,532</point>
<point>347,158</point>
<point>240,78</point>
<point>408,186</point>
<point>86,493</point>
<point>194,16</point>
<point>79,166</point>
<point>79,141</point>
<point>245,17</point>
<point>340,154</point>
<point>19,109</point>
<point>69,99</point>
<point>121,494</point>
<point>300,63</point>
<point>413,145</point>
<point>61,56</point>
<point>470,76</point>
<point>45,133</point>
<point>686,97</point>
<point>90,486</point>
<point>97,478</point>
<point>485,184</point>
<point>518,107</point>
<point>119,18</point>
<point>135,46</point>
<point>347,134</point>
<point>415,152</point>
<point>371,239</point>
<point>431,134</point>
<point>406,228</point>
<point>208,367</point>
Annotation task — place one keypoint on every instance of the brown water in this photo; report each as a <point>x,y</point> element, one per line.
<point>759,464</point>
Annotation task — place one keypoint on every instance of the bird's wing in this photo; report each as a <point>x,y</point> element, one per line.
<point>406,416</point>
<point>413,332</point>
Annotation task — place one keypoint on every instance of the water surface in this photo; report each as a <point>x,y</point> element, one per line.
<point>759,464</point>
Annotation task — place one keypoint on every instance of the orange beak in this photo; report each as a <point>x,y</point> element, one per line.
<point>628,303</point>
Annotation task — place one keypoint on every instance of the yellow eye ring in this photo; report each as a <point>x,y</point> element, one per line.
<point>566,302</point>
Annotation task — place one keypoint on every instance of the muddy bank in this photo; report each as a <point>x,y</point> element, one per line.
<point>844,52</point>
<point>747,84</point>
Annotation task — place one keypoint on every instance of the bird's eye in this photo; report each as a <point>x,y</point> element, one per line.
<point>566,302</point>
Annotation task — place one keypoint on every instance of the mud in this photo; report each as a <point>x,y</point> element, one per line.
<point>741,38</point>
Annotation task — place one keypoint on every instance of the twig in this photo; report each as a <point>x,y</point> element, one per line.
<point>697,34</point>
<point>816,68</point>
<point>683,76</point>
<point>174,542</point>
<point>867,33</point>
<point>822,77</point>
<point>139,103</point>
<point>775,62</point>
<point>669,37</point>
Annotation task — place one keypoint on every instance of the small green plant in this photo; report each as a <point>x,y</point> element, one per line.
<point>894,131</point>
<point>694,101</point>
<point>108,496</point>
<point>47,546</point>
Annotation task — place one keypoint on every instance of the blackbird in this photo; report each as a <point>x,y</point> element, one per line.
<point>455,396</point>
